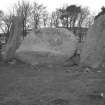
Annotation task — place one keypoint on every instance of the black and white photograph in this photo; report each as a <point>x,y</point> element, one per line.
<point>52,52</point>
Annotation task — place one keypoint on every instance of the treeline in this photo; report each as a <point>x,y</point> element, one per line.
<point>36,15</point>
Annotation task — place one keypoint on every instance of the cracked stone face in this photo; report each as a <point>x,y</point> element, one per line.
<point>92,53</point>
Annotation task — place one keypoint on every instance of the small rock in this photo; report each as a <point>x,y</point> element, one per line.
<point>102,94</point>
<point>99,71</point>
<point>12,62</point>
<point>87,69</point>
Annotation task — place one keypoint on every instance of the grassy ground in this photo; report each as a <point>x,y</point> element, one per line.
<point>56,85</point>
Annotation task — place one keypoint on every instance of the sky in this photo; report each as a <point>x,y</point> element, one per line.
<point>94,5</point>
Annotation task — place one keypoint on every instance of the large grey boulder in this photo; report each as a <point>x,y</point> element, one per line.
<point>47,45</point>
<point>92,53</point>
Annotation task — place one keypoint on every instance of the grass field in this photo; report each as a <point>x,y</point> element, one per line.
<point>55,85</point>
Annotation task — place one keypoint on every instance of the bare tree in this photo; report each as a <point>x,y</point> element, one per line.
<point>73,11</point>
<point>7,19</point>
<point>55,18</point>
<point>70,15</point>
<point>89,21</point>
<point>5,24</point>
<point>23,9</point>
<point>1,20</point>
<point>45,18</point>
<point>37,14</point>
<point>83,15</point>
<point>63,17</point>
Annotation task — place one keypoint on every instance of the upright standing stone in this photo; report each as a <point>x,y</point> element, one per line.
<point>14,39</point>
<point>92,53</point>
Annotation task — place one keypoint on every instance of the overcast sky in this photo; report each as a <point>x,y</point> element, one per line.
<point>51,5</point>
